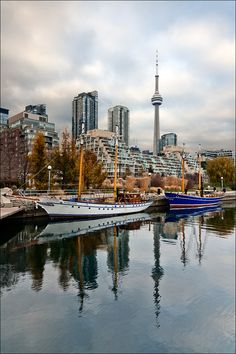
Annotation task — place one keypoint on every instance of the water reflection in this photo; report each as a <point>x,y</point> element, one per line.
<point>157,270</point>
<point>72,248</point>
<point>133,269</point>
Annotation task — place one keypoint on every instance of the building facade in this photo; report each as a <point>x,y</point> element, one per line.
<point>84,110</point>
<point>102,143</point>
<point>39,109</point>
<point>17,139</point>
<point>32,120</point>
<point>119,115</point>
<point>13,156</point>
<point>211,154</point>
<point>4,112</point>
<point>169,139</point>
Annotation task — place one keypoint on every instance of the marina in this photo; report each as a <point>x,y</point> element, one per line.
<point>71,286</point>
<point>117,194</point>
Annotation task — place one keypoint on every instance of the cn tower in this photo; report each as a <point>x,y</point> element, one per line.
<point>156,101</point>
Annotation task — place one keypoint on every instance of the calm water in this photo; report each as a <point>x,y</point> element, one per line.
<point>157,284</point>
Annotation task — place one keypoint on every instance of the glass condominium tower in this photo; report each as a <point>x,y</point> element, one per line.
<point>119,115</point>
<point>84,110</point>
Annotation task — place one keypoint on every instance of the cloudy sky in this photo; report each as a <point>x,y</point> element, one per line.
<point>53,50</point>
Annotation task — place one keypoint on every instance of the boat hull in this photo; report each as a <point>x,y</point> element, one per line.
<point>67,209</point>
<point>183,201</point>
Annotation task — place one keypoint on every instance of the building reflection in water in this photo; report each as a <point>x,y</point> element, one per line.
<point>118,255</point>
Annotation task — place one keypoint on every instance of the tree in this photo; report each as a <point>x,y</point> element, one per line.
<point>127,172</point>
<point>38,162</point>
<point>65,161</point>
<point>157,181</point>
<point>221,167</point>
<point>93,170</point>
<point>130,183</point>
<point>143,183</point>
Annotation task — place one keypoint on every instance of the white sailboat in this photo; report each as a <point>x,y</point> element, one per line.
<point>56,208</point>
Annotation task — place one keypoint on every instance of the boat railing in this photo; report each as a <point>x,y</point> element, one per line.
<point>65,192</point>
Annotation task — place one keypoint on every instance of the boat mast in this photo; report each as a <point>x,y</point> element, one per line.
<point>199,169</point>
<point>182,163</point>
<point>115,164</point>
<point>81,162</point>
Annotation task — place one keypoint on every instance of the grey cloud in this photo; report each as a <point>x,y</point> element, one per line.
<point>51,51</point>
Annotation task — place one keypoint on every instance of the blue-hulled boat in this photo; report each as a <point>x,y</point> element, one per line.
<point>181,201</point>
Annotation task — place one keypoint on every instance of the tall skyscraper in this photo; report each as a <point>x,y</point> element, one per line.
<point>156,101</point>
<point>119,115</point>
<point>84,110</point>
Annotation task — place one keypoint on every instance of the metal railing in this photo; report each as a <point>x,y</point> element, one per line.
<point>66,192</point>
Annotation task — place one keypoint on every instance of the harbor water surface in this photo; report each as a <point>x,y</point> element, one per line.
<point>147,283</point>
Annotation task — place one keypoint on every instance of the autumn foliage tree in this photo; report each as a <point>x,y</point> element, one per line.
<point>130,183</point>
<point>38,162</point>
<point>65,161</point>
<point>157,181</point>
<point>221,167</point>
<point>93,174</point>
<point>143,183</point>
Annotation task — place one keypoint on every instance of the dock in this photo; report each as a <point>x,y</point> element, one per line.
<point>6,212</point>
<point>20,208</point>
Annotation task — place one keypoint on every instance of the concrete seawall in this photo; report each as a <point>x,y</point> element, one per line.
<point>230,196</point>
<point>21,208</point>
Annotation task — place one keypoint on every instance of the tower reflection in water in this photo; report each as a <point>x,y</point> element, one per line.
<point>157,270</point>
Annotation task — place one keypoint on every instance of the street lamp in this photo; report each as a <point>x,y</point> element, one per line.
<point>149,182</point>
<point>222,182</point>
<point>49,177</point>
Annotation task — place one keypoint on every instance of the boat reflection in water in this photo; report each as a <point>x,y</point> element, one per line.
<point>58,230</point>
<point>176,214</point>
<point>187,225</point>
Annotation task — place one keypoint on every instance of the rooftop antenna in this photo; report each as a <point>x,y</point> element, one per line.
<point>156,62</point>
